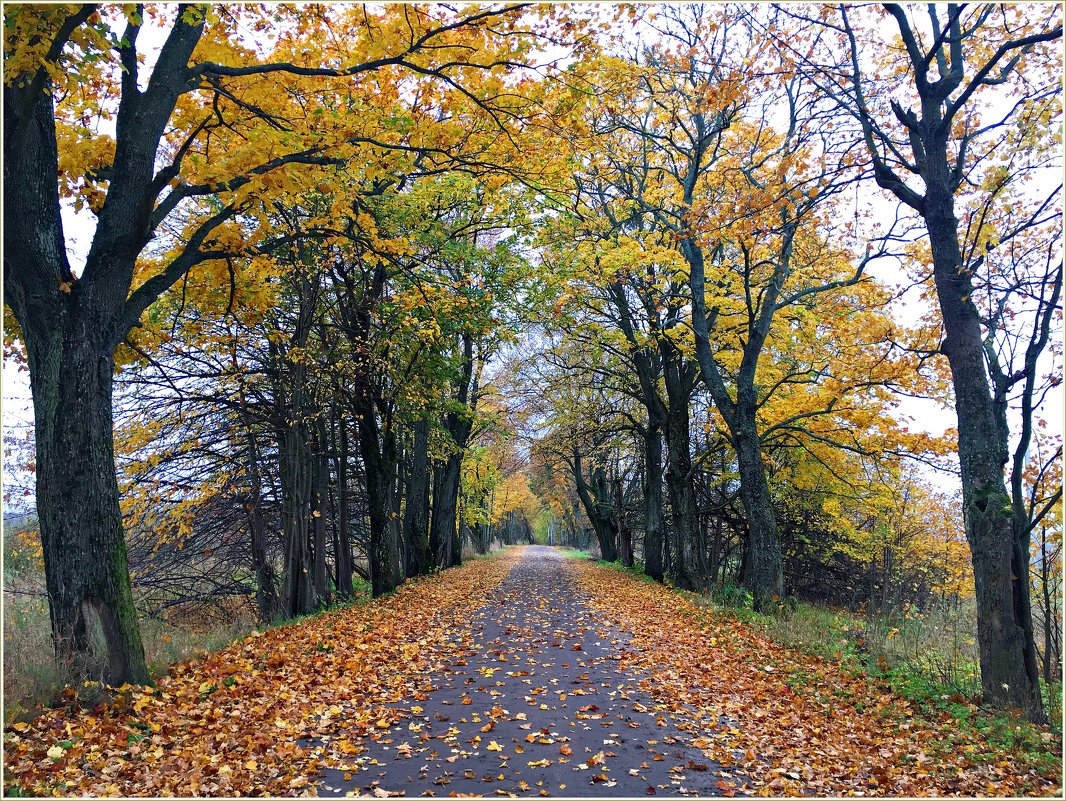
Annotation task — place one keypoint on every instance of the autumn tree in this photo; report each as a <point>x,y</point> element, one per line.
<point>59,62</point>
<point>733,210</point>
<point>953,122</point>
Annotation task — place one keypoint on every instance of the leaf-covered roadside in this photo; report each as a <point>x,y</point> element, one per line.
<point>795,724</point>
<point>229,725</point>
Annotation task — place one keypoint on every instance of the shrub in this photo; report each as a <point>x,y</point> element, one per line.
<point>732,596</point>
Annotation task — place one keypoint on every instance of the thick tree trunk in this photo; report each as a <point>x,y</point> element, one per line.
<point>653,503</point>
<point>999,545</point>
<point>87,577</point>
<point>443,528</point>
<point>70,331</point>
<point>378,461</point>
<point>416,512</point>
<point>689,554</point>
<point>296,468</point>
<point>1009,673</point>
<point>763,572</point>
<point>479,536</point>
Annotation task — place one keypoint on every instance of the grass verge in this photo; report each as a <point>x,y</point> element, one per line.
<point>924,660</point>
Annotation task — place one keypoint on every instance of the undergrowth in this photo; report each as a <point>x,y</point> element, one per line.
<point>34,680</point>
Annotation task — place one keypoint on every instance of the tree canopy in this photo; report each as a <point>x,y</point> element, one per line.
<point>363,285</point>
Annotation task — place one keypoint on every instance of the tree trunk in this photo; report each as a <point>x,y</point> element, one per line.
<point>653,502</point>
<point>688,557</point>
<point>94,622</point>
<point>396,505</point>
<point>625,536</point>
<point>762,574</point>
<point>266,594</point>
<point>342,531</point>
<point>70,331</point>
<point>443,528</point>
<point>1051,623</point>
<point>479,537</point>
<point>455,552</point>
<point>999,546</point>
<point>295,467</point>
<point>714,553</point>
<point>319,493</point>
<point>444,531</point>
<point>598,506</point>
<point>416,511</point>
<point>1009,673</point>
<point>378,454</point>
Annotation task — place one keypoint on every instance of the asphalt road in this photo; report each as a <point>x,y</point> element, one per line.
<point>538,700</point>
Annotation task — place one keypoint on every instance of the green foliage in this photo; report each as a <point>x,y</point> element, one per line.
<point>1005,732</point>
<point>732,596</point>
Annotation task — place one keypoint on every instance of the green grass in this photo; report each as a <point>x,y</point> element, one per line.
<point>1003,731</point>
<point>928,660</point>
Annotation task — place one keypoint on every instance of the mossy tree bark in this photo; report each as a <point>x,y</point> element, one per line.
<point>945,73</point>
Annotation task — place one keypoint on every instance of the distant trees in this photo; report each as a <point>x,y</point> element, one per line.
<point>340,404</point>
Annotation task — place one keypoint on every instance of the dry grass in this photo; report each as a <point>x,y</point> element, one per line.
<point>32,677</point>
<point>939,644</point>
